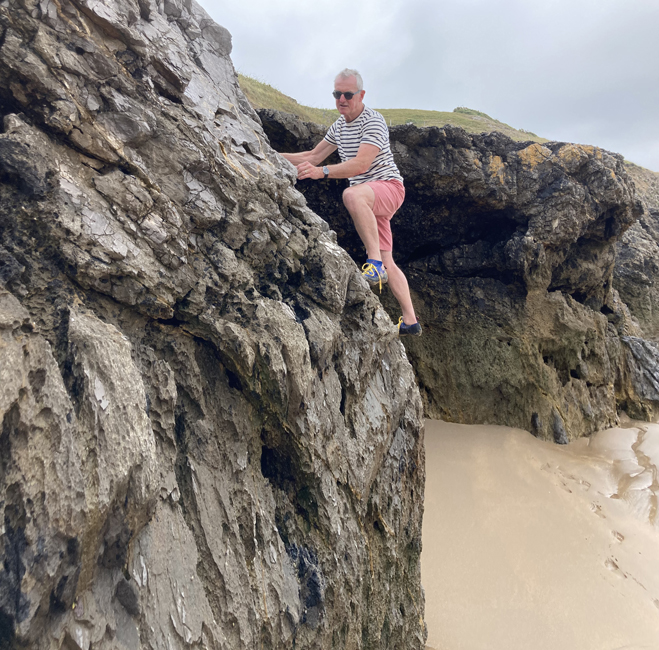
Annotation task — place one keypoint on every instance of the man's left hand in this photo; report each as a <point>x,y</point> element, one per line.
<point>307,171</point>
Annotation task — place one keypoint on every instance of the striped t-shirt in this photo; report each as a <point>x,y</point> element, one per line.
<point>369,128</point>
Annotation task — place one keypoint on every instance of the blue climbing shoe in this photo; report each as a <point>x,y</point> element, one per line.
<point>375,273</point>
<point>408,330</point>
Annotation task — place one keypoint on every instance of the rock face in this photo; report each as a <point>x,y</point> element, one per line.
<point>636,275</point>
<point>211,435</point>
<point>509,251</point>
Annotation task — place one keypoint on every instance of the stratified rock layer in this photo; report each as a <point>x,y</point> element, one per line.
<point>211,435</point>
<point>509,251</point>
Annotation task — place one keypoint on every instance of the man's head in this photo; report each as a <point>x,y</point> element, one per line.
<point>349,82</point>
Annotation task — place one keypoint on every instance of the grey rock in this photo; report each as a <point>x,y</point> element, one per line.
<point>20,159</point>
<point>642,398</point>
<point>636,274</point>
<point>560,435</point>
<point>212,436</point>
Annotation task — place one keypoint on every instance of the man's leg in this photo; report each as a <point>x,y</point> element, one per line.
<point>399,287</point>
<point>359,201</point>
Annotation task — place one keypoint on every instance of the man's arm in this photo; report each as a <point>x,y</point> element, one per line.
<point>358,165</point>
<point>315,156</point>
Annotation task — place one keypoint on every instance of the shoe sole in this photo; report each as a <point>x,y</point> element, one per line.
<point>408,333</point>
<point>384,278</point>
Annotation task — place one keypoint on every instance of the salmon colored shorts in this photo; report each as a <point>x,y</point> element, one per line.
<point>389,196</point>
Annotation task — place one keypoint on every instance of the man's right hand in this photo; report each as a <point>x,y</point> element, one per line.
<point>306,171</point>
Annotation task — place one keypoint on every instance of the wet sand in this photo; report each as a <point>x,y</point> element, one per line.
<point>533,546</point>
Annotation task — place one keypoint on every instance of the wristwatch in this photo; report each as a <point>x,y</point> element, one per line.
<point>326,171</point>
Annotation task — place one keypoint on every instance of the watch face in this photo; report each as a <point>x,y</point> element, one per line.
<point>326,172</point>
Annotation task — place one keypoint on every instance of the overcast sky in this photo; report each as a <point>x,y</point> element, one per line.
<point>582,71</point>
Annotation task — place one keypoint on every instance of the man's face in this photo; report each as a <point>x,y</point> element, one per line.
<point>349,108</point>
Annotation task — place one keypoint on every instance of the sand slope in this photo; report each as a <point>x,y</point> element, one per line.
<point>529,545</point>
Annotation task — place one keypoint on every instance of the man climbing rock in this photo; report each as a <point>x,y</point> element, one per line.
<point>376,189</point>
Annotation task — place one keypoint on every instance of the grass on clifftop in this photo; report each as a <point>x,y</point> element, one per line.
<point>261,95</point>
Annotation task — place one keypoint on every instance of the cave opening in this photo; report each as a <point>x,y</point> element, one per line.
<point>463,225</point>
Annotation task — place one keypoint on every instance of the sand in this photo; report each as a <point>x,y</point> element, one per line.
<point>529,545</point>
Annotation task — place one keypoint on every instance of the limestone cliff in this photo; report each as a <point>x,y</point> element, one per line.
<point>211,435</point>
<point>509,249</point>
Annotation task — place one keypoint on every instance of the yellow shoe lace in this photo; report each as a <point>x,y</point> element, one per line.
<point>367,267</point>
<point>400,321</point>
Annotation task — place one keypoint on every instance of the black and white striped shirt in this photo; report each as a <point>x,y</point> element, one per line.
<point>368,128</point>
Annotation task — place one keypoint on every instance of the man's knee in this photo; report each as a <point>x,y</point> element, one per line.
<point>357,195</point>
<point>350,197</point>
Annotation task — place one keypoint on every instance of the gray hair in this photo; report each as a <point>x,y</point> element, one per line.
<point>347,73</point>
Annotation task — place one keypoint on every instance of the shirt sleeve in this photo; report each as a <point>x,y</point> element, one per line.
<point>330,136</point>
<point>376,132</point>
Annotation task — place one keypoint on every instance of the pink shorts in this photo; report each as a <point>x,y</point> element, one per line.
<point>389,196</point>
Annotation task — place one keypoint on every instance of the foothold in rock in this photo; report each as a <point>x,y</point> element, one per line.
<point>127,596</point>
<point>61,598</point>
<point>536,425</point>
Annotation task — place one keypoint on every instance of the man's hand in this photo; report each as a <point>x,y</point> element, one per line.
<point>307,171</point>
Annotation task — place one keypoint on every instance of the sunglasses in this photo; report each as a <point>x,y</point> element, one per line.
<point>337,94</point>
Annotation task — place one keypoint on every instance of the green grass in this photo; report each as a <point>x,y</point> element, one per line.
<point>470,120</point>
<point>262,95</point>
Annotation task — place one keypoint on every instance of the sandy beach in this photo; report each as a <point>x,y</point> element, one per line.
<point>529,545</point>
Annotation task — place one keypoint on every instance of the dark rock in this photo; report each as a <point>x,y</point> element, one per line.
<point>126,594</point>
<point>312,584</point>
<point>509,249</point>
<point>10,269</point>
